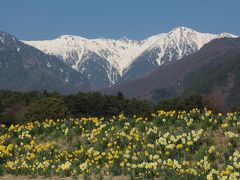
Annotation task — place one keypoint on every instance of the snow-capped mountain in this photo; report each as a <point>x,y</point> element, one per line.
<point>25,68</point>
<point>106,61</point>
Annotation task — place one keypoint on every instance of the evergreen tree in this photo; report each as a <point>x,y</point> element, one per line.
<point>120,96</point>
<point>46,108</point>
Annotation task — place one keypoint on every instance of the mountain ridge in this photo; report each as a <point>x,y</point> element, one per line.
<point>25,68</point>
<point>122,58</point>
<point>213,72</point>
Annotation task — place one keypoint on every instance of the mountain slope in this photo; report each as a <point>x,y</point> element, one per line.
<point>24,68</point>
<point>212,71</point>
<point>122,60</point>
<point>168,47</point>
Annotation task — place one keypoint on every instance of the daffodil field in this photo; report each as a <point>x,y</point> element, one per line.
<point>175,145</point>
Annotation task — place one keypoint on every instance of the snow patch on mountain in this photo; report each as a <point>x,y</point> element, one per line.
<point>184,40</point>
<point>121,53</point>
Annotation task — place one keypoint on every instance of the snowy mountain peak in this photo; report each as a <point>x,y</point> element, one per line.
<point>9,40</point>
<point>181,29</point>
<point>227,35</point>
<point>118,56</point>
<point>125,39</point>
<point>70,37</point>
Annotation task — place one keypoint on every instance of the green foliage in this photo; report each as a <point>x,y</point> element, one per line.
<point>95,104</point>
<point>13,105</point>
<point>136,107</point>
<point>167,145</point>
<point>120,96</point>
<point>180,103</point>
<point>46,108</point>
<point>17,107</point>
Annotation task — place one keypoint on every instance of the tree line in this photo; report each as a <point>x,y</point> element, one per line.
<point>18,107</point>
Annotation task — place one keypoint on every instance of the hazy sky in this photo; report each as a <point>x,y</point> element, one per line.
<point>135,19</point>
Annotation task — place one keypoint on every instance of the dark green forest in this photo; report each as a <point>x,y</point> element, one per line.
<point>19,107</point>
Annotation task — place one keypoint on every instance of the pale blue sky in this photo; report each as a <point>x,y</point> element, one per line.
<point>135,19</point>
